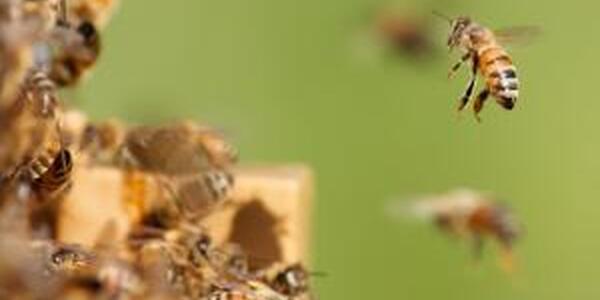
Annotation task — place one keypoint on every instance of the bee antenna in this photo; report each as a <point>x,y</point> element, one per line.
<point>442,16</point>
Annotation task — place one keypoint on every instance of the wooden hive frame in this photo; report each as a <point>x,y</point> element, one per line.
<point>268,216</point>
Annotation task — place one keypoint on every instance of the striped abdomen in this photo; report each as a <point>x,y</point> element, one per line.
<point>500,75</point>
<point>57,177</point>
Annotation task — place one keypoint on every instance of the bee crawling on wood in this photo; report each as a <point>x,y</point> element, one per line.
<point>484,49</point>
<point>292,281</point>
<point>247,290</point>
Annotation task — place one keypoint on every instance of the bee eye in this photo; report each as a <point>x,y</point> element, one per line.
<point>87,30</point>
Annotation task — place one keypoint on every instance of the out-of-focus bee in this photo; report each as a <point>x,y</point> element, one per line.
<point>193,161</point>
<point>483,48</point>
<point>405,34</point>
<point>179,149</point>
<point>52,178</point>
<point>47,13</point>
<point>100,142</point>
<point>468,214</point>
<point>16,41</point>
<point>96,11</point>
<point>79,42</point>
<point>248,290</point>
<point>40,92</point>
<point>63,259</point>
<point>29,104</point>
<point>78,50</point>
<point>191,242</point>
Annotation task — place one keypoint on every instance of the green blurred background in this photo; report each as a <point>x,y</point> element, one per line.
<point>284,79</point>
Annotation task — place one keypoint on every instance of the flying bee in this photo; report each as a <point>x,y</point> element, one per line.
<point>483,48</point>
<point>192,165</point>
<point>178,149</point>
<point>474,216</point>
<point>405,34</point>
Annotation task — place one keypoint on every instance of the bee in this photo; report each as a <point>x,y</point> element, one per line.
<point>40,91</point>
<point>405,34</point>
<point>468,214</point>
<point>482,47</point>
<point>62,258</point>
<point>79,42</point>
<point>79,49</point>
<point>28,103</point>
<point>178,149</point>
<point>292,281</point>
<point>56,178</point>
<point>100,142</point>
<point>247,290</point>
<point>191,242</point>
<point>192,165</point>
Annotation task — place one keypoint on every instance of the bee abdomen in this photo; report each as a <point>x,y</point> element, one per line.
<point>57,176</point>
<point>501,75</point>
<point>504,84</point>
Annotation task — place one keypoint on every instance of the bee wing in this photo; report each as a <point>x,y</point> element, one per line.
<point>415,207</point>
<point>427,207</point>
<point>517,35</point>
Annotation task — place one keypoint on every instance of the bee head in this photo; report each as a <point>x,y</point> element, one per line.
<point>458,26</point>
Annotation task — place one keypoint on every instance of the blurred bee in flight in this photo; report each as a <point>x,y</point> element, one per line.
<point>469,215</point>
<point>405,34</point>
<point>195,163</point>
<point>389,34</point>
<point>483,48</point>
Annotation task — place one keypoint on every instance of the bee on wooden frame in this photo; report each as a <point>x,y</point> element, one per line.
<point>190,242</point>
<point>244,290</point>
<point>292,281</point>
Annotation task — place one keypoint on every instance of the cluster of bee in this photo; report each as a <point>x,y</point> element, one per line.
<point>176,263</point>
<point>46,45</point>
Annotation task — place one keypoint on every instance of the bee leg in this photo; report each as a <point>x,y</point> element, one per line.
<point>479,102</point>
<point>469,92</point>
<point>477,246</point>
<point>467,95</point>
<point>458,64</point>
